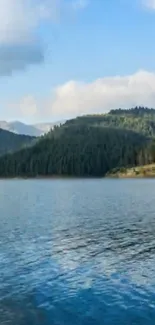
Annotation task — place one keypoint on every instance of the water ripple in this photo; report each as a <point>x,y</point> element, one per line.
<point>77,252</point>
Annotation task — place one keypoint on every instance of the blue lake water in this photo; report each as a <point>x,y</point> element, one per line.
<point>77,252</point>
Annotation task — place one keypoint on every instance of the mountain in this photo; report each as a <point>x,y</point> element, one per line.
<point>31,130</point>
<point>88,146</point>
<point>46,127</point>
<point>138,119</point>
<point>10,142</point>
<point>79,151</point>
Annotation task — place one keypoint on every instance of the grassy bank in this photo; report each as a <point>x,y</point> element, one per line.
<point>134,172</point>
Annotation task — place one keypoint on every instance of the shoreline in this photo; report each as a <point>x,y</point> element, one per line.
<point>110,177</point>
<point>130,177</point>
<point>139,172</point>
<point>51,178</point>
<point>143,171</point>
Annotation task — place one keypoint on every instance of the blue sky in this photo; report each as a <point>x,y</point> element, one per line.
<point>83,58</point>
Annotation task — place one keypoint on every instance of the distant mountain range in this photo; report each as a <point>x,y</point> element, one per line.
<point>26,129</point>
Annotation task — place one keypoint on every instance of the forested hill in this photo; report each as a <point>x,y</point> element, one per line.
<point>139,119</point>
<point>10,142</point>
<point>79,150</point>
<point>86,146</point>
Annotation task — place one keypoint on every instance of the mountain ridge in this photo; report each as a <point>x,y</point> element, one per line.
<point>21,128</point>
<point>88,146</point>
<point>10,142</point>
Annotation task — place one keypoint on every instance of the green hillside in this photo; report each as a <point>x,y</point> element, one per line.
<point>88,146</point>
<point>139,119</point>
<point>10,142</point>
<point>78,151</point>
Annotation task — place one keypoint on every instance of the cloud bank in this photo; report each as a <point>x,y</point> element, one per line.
<point>20,44</point>
<point>78,98</point>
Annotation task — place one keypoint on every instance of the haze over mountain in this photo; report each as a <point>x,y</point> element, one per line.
<point>10,142</point>
<point>26,129</point>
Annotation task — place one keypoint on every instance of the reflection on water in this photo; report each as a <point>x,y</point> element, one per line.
<point>77,252</point>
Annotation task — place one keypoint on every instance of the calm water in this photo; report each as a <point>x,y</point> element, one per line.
<point>77,252</point>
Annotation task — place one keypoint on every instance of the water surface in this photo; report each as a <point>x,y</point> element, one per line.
<point>77,252</point>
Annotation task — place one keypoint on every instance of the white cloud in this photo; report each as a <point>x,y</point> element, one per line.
<point>149,4</point>
<point>19,21</point>
<point>77,98</point>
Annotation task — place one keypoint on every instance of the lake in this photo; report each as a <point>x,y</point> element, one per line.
<point>77,252</point>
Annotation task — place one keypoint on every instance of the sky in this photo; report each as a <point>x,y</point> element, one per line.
<point>63,58</point>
